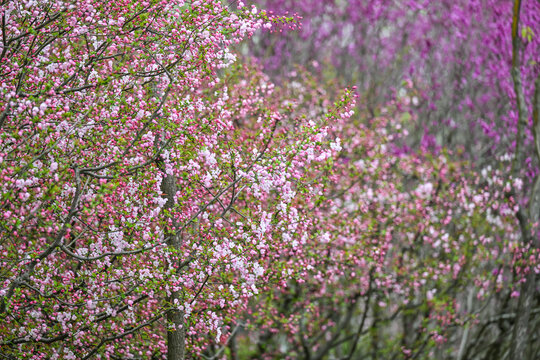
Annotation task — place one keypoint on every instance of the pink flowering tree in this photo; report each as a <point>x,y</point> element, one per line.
<point>163,199</point>
<point>469,71</point>
<point>409,256</point>
<point>138,187</point>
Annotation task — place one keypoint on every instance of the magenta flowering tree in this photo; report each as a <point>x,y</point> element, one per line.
<point>457,53</point>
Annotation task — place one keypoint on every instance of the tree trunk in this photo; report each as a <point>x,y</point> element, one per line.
<point>520,335</point>
<point>175,336</point>
<point>175,318</point>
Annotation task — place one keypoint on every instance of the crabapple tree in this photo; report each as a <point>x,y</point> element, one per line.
<point>138,188</point>
<point>402,256</point>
